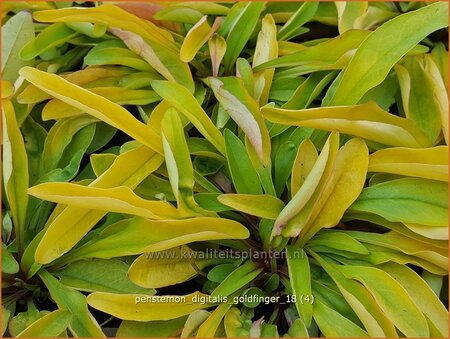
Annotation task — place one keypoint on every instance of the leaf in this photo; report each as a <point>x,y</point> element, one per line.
<point>166,268</point>
<point>350,14</point>
<point>9,263</point>
<point>244,110</point>
<point>117,199</point>
<point>136,307</point>
<point>241,27</point>
<point>194,320</point>
<point>162,59</point>
<point>15,171</point>
<point>377,55</point>
<point>99,275</point>
<point>5,319</point>
<point>303,164</point>
<point>337,240</point>
<point>245,179</point>
<point>185,103</point>
<point>16,33</point>
<point>82,323</point>
<point>366,121</point>
<point>151,329</point>
<point>52,36</point>
<point>392,298</point>
<point>217,47</point>
<point>209,327</point>
<point>333,324</point>
<point>266,49</point>
<point>421,294</point>
<point>139,235</point>
<point>93,104</point>
<point>49,326</point>
<point>300,279</point>
<point>409,200</point>
<point>263,205</point>
<point>304,14</point>
<point>197,36</point>
<point>110,15</point>
<point>237,279</point>
<point>60,236</point>
<point>428,163</point>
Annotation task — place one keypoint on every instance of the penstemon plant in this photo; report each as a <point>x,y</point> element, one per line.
<point>201,169</point>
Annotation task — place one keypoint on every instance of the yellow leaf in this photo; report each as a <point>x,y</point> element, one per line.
<point>429,163</point>
<point>94,105</point>
<point>303,164</point>
<point>209,327</point>
<point>197,36</point>
<point>263,205</point>
<point>49,326</point>
<point>7,89</point>
<point>147,308</point>
<point>366,121</point>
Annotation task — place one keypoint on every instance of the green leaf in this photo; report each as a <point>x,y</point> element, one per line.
<point>377,55</point>
<point>151,329</point>
<point>9,263</point>
<point>304,14</point>
<point>99,275</point>
<point>210,326</point>
<point>217,47</point>
<point>194,320</point>
<point>263,206</point>
<point>16,33</point>
<point>49,326</point>
<point>82,323</point>
<point>244,176</point>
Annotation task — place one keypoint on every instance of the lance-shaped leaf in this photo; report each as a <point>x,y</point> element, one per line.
<point>391,297</point>
<point>217,47</point>
<point>303,164</point>
<point>346,182</point>
<point>151,329</point>
<point>93,104</point>
<point>49,326</point>
<point>179,165</point>
<point>210,326</point>
<point>185,102</point>
<point>139,235</point>
<point>428,163</point>
<point>350,14</point>
<point>409,200</point>
<point>166,268</point>
<point>244,110</point>
<point>266,49</point>
<point>300,278</point>
<point>377,54</point>
<point>237,279</point>
<point>194,320</point>
<point>422,295</point>
<point>304,200</point>
<point>9,263</point>
<point>147,308</point>
<point>304,13</point>
<point>73,223</point>
<point>263,206</point>
<point>82,323</point>
<point>366,121</point>
<point>440,57</point>
<point>112,16</point>
<point>241,26</point>
<point>197,36</point>
<point>16,33</point>
<point>163,60</point>
<point>117,199</point>
<point>15,170</point>
<point>52,36</point>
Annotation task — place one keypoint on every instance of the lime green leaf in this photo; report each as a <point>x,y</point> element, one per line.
<point>15,171</point>
<point>263,206</point>
<point>297,330</point>
<point>61,236</point>
<point>186,103</point>
<point>409,200</point>
<point>138,235</point>
<point>300,278</point>
<point>147,308</point>
<point>334,324</point>
<point>304,14</point>
<point>366,121</point>
<point>109,15</point>
<point>244,110</point>
<point>52,36</point>
<point>5,319</point>
<point>392,298</point>
<point>428,163</point>
<point>49,326</point>
<point>440,57</point>
<point>82,323</point>
<point>350,14</point>
<point>197,36</point>
<point>9,263</point>
<point>99,275</point>
<point>166,268</point>
<point>303,164</point>
<point>194,320</point>
<point>337,240</point>
<point>16,33</point>
<point>151,329</point>
<point>377,55</point>
<point>93,104</point>
<point>209,327</point>
<point>244,176</point>
<point>234,323</point>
